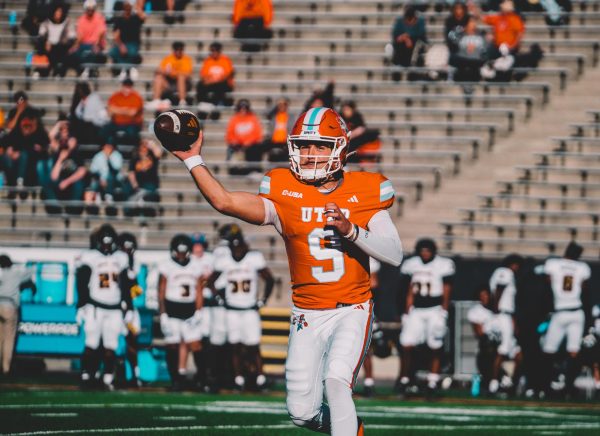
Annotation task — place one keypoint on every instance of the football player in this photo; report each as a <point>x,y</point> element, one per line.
<point>101,281</point>
<point>127,243</point>
<point>331,221</point>
<point>429,278</point>
<point>568,278</point>
<point>180,305</point>
<point>240,269</point>
<point>504,291</point>
<point>481,317</point>
<point>204,261</point>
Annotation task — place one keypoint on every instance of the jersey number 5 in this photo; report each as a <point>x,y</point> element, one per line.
<point>321,253</point>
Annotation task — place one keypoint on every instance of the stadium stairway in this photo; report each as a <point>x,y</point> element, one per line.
<point>424,219</point>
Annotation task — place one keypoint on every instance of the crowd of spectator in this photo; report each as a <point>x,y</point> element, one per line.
<point>477,45</point>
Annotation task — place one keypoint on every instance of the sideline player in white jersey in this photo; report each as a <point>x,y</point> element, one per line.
<point>481,317</point>
<point>429,278</point>
<point>180,305</point>
<point>504,292</point>
<point>204,261</point>
<point>568,277</point>
<point>127,243</point>
<point>103,296</point>
<point>331,221</point>
<point>240,270</point>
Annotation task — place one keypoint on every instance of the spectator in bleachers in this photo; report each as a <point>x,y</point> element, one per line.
<point>14,279</point>
<point>455,24</point>
<point>37,63</point>
<point>125,108</point>
<point>143,170</point>
<point>216,77</point>
<point>37,11</point>
<point>127,30</point>
<point>364,141</point>
<point>508,27</point>
<point>58,34</point>
<point>88,114</point>
<point>321,97</point>
<point>68,171</point>
<point>174,71</point>
<point>280,124</point>
<point>469,52</point>
<point>21,101</point>
<point>106,169</point>
<point>408,30</point>
<point>25,145</point>
<point>252,20</point>
<point>91,40</point>
<point>244,133</point>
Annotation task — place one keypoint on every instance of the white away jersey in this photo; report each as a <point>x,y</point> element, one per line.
<point>104,279</point>
<point>181,280</point>
<point>427,279</point>
<point>566,277</point>
<point>241,277</point>
<point>480,315</point>
<point>504,277</point>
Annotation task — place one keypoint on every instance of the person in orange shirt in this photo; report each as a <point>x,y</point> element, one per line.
<point>244,132</point>
<point>508,27</point>
<point>216,77</point>
<point>252,20</point>
<point>125,108</point>
<point>280,125</point>
<point>331,222</point>
<point>175,70</point>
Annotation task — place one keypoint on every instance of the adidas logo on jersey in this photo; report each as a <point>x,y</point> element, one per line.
<point>293,194</point>
<point>353,199</point>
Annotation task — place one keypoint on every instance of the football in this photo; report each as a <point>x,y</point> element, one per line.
<point>177,129</point>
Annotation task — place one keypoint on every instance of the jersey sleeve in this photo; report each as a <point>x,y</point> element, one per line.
<point>386,193</point>
<point>501,277</point>
<point>448,269</point>
<point>476,314</point>
<point>586,272</point>
<point>163,269</point>
<point>407,268</point>
<point>259,260</point>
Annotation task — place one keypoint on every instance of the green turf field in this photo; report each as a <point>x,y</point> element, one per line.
<point>44,412</point>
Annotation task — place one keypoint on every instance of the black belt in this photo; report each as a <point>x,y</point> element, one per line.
<point>105,306</point>
<point>569,310</point>
<point>504,312</point>
<point>339,305</point>
<point>241,308</point>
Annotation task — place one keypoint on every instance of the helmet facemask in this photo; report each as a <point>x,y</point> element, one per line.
<point>323,168</point>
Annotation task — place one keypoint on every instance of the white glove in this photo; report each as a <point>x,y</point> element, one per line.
<point>444,314</point>
<point>128,318</point>
<point>164,323</point>
<point>197,317</point>
<point>589,340</point>
<point>82,314</point>
<point>260,304</point>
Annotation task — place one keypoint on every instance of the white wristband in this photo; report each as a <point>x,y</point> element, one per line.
<point>193,162</point>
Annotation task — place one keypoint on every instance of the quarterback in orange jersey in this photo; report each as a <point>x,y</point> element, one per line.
<point>331,222</point>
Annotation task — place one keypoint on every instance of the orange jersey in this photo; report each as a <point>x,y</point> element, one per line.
<point>217,70</point>
<point>253,9</point>
<point>322,277</point>
<point>173,66</point>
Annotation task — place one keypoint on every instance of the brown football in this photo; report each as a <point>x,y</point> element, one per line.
<point>177,129</point>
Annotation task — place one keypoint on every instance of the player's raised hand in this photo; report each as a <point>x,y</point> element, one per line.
<point>194,150</point>
<point>335,218</point>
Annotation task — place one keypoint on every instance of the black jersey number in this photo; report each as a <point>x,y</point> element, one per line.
<point>244,286</point>
<point>104,280</point>
<point>568,283</point>
<point>185,290</point>
<point>418,286</point>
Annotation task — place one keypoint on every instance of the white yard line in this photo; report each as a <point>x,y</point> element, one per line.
<point>55,415</point>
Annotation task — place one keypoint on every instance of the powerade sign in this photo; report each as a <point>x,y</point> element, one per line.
<point>49,329</point>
